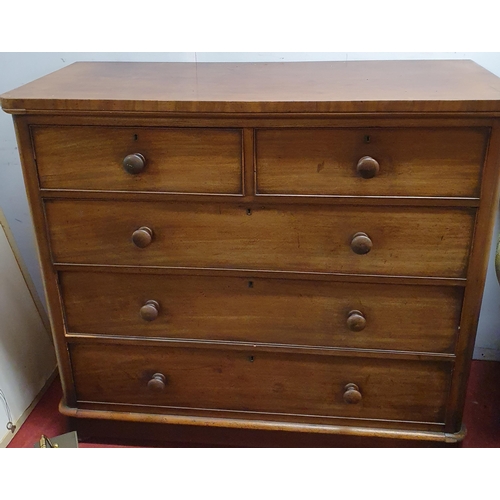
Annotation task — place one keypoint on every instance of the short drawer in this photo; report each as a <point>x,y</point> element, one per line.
<point>421,162</point>
<point>186,160</point>
<point>292,312</point>
<point>263,382</point>
<point>404,241</point>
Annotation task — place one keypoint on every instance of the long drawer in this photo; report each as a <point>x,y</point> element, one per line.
<point>403,241</point>
<point>293,312</point>
<point>171,160</point>
<point>293,384</point>
<point>409,161</point>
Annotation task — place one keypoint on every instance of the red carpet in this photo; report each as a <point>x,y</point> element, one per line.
<point>482,415</point>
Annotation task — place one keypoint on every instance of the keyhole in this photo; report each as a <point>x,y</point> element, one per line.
<point>250,284</point>
<point>367,139</point>
<point>135,137</point>
<point>250,358</point>
<point>249,211</point>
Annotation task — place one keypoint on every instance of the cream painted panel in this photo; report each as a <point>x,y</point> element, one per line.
<point>27,358</point>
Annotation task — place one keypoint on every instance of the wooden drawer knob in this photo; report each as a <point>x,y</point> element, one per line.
<point>134,164</point>
<point>157,382</point>
<point>150,310</point>
<point>352,395</point>
<point>361,243</point>
<point>142,237</point>
<point>356,321</point>
<point>367,167</point>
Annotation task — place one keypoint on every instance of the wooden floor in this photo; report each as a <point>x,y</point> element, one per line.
<point>482,419</point>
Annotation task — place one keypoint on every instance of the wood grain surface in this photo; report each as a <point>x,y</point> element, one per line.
<point>293,312</point>
<point>406,241</point>
<point>413,162</point>
<point>354,87</point>
<point>177,160</point>
<point>264,382</point>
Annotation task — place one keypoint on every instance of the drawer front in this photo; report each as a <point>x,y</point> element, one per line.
<point>308,313</point>
<point>260,382</point>
<point>412,161</point>
<point>405,241</point>
<point>176,160</point>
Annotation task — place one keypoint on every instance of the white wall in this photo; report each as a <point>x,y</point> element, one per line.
<point>19,68</point>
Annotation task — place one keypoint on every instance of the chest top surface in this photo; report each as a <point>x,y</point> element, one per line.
<point>304,87</point>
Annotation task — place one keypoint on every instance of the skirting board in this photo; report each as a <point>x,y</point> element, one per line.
<point>20,421</point>
<point>485,354</point>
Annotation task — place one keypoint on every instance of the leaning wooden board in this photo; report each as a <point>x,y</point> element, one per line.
<point>293,246</point>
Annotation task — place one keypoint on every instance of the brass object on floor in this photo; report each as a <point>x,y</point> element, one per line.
<point>69,440</point>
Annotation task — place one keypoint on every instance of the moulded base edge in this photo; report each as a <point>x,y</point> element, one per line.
<point>355,431</point>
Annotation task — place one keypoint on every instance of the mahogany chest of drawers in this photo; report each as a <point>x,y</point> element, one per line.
<point>297,246</point>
